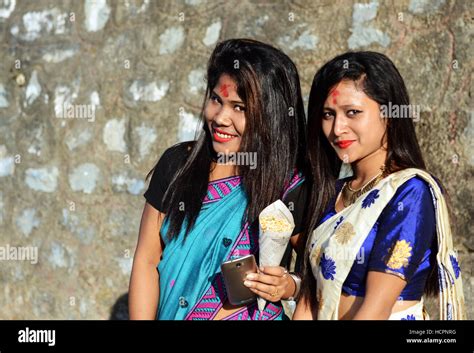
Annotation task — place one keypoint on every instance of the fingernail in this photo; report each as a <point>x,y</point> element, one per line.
<point>251,277</point>
<point>262,268</point>
<point>247,283</point>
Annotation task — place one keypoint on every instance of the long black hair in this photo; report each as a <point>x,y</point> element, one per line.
<point>382,82</point>
<point>268,83</point>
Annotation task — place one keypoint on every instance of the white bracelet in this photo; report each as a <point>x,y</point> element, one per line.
<point>297,280</point>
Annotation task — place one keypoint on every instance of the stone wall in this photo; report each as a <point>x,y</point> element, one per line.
<point>92,92</point>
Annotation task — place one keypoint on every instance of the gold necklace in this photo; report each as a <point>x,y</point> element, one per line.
<point>349,195</point>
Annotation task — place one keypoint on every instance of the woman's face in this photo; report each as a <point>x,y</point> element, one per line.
<point>225,116</point>
<point>352,122</point>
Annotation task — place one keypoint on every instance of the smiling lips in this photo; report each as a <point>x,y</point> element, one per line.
<point>344,143</point>
<point>221,136</point>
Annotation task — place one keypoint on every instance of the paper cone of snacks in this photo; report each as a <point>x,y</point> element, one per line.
<point>276,226</point>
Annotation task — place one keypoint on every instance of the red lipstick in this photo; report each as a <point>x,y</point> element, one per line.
<point>221,138</point>
<point>344,143</point>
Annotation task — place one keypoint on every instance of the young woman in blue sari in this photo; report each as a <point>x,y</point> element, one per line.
<point>382,239</point>
<point>202,211</point>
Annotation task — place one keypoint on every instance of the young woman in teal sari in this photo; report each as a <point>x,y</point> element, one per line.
<point>202,211</point>
<point>382,239</point>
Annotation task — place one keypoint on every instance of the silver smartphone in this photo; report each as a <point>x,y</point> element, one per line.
<point>234,273</point>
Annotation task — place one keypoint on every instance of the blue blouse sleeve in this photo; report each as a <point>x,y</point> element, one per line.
<point>406,231</point>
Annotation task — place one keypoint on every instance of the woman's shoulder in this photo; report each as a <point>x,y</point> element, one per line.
<point>417,185</point>
<point>415,193</point>
<point>179,150</point>
<point>171,160</point>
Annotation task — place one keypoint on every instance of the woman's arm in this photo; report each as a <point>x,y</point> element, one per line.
<point>382,291</point>
<point>144,290</point>
<point>297,243</point>
<point>303,311</point>
<point>404,234</point>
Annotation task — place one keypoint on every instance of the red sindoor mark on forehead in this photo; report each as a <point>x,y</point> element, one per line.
<point>334,95</point>
<point>224,91</point>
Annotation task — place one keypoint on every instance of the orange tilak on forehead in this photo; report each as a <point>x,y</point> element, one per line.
<point>224,90</point>
<point>334,94</point>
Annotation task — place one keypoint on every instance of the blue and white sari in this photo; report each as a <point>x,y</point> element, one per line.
<point>334,245</point>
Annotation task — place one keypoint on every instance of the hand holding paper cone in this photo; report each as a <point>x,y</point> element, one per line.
<point>276,226</point>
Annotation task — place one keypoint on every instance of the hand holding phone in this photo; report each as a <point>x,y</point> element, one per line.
<point>235,272</point>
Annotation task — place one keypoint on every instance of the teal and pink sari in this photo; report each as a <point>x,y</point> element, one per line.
<point>191,283</point>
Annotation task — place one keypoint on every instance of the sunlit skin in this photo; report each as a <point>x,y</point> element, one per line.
<point>225,114</point>
<point>353,125</point>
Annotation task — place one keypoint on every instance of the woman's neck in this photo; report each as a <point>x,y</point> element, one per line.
<point>366,168</point>
<point>220,171</point>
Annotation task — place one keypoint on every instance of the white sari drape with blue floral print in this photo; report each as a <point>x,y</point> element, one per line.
<point>336,242</point>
